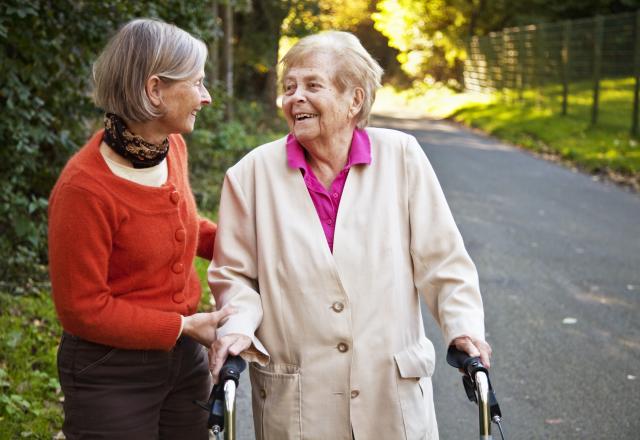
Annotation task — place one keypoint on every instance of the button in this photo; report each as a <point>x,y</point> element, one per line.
<point>329,221</point>
<point>337,306</point>
<point>175,197</point>
<point>178,297</point>
<point>335,195</point>
<point>342,347</point>
<point>180,235</point>
<point>354,393</point>
<point>263,393</point>
<point>177,267</point>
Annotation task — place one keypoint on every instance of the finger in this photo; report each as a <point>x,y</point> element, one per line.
<point>220,315</point>
<point>240,345</point>
<point>220,357</point>
<point>465,344</point>
<point>485,353</point>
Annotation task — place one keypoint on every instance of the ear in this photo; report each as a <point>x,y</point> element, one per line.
<point>153,88</point>
<point>357,101</point>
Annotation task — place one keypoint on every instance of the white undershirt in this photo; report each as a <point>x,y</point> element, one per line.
<point>154,176</point>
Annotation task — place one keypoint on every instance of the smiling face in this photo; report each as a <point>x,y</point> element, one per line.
<point>315,109</point>
<point>181,101</point>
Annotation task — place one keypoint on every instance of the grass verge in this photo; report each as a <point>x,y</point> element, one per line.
<point>535,122</point>
<point>30,396</point>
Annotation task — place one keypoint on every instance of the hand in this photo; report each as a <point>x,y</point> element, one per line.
<point>474,348</point>
<point>202,326</point>
<point>233,344</point>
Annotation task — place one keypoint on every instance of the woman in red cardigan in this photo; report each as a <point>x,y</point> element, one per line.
<point>123,234</point>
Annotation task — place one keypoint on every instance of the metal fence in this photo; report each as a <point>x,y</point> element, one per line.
<point>564,53</point>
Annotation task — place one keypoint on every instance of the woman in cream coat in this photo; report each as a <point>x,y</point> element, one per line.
<point>327,298</point>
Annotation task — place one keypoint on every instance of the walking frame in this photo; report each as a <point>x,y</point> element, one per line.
<point>221,405</point>
<point>479,389</point>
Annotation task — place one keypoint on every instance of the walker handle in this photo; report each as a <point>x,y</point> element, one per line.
<point>231,369</point>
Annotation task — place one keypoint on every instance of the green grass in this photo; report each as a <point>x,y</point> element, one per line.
<point>540,126</point>
<point>536,122</point>
<point>30,405</point>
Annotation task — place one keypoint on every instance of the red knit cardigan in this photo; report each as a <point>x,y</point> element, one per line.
<point>121,254</point>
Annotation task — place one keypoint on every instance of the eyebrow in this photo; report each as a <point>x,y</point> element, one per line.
<point>305,78</point>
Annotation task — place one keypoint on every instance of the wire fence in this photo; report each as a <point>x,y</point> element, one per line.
<point>555,57</point>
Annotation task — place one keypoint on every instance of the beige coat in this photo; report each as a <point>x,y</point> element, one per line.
<point>343,331</point>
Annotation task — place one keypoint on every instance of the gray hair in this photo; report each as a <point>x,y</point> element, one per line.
<point>354,66</point>
<point>143,48</point>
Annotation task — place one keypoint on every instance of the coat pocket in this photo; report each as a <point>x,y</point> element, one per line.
<point>415,364</point>
<point>276,399</point>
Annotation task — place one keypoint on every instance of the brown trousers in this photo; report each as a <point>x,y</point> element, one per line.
<point>133,394</point>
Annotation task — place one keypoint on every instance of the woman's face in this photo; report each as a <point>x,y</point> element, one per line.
<point>314,107</point>
<point>181,101</point>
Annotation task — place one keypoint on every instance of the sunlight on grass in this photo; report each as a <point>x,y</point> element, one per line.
<point>535,122</point>
<point>435,102</point>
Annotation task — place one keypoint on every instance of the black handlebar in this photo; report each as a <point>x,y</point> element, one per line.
<point>233,366</point>
<point>231,369</point>
<point>470,366</point>
<point>462,361</point>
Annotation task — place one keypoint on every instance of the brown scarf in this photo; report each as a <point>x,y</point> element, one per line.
<point>132,147</point>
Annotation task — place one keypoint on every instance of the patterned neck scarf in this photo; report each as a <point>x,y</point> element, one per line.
<point>141,153</point>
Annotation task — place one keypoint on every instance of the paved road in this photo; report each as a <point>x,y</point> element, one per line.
<point>559,262</point>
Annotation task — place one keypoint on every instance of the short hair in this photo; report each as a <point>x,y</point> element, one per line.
<point>354,66</point>
<point>140,49</point>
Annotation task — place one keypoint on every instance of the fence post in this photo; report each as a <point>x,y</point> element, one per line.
<point>228,57</point>
<point>540,68</point>
<point>636,72</point>
<point>597,66</point>
<point>565,65</point>
<point>521,57</point>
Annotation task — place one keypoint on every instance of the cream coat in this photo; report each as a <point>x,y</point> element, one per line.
<point>339,341</point>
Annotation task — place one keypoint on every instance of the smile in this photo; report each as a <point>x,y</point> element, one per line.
<point>302,116</point>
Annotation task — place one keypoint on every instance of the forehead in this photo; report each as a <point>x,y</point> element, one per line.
<point>318,65</point>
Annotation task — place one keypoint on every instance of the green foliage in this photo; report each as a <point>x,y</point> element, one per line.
<point>29,389</point>
<point>47,52</point>
<point>536,124</point>
<point>432,36</point>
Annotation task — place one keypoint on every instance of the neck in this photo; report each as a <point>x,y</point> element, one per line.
<point>147,131</point>
<point>327,159</point>
<point>108,152</point>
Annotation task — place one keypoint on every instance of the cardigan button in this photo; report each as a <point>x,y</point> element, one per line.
<point>175,197</point>
<point>177,267</point>
<point>180,235</point>
<point>178,297</point>
<point>342,347</point>
<point>337,307</point>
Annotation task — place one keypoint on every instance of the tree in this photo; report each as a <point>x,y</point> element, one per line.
<point>431,35</point>
<point>47,51</point>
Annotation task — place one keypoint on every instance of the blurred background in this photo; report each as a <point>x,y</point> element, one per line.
<point>558,78</point>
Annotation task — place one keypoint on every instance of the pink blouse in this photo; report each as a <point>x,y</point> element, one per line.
<point>327,201</point>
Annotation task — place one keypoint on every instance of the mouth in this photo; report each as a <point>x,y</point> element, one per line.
<point>304,116</point>
<point>194,113</point>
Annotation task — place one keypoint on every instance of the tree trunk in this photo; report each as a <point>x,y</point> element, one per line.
<point>228,57</point>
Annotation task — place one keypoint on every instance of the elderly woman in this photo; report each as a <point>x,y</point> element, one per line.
<point>327,239</point>
<point>123,234</point>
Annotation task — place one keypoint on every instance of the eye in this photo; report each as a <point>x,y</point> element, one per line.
<point>289,88</point>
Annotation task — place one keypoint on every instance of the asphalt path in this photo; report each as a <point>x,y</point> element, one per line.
<point>558,255</point>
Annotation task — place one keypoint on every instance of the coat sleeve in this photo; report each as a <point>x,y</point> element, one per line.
<point>443,271</point>
<point>80,241</point>
<point>206,238</point>
<point>233,273</point>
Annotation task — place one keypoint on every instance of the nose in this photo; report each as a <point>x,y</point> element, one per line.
<point>205,97</point>
<point>298,95</point>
